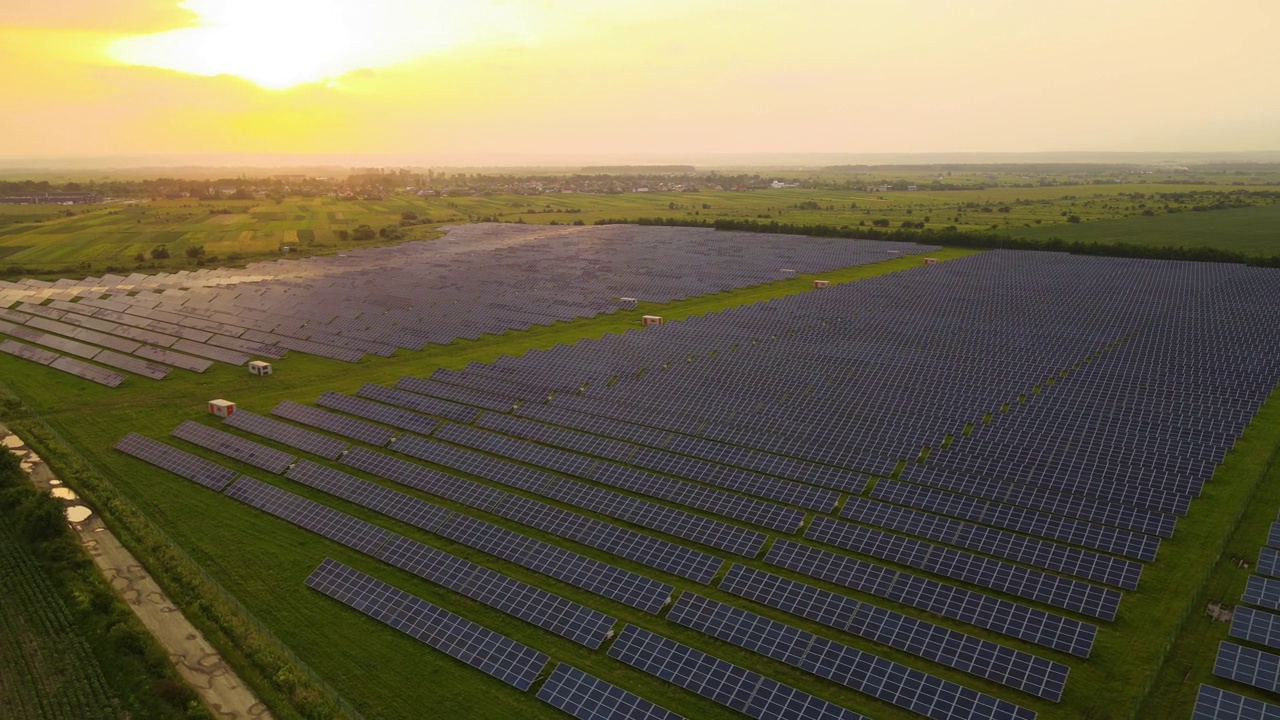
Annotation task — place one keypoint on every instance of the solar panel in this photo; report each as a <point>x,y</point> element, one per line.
<point>488,401</point>
<point>1248,666</point>
<point>1268,562</point>
<point>1263,592</point>
<point>494,654</point>
<point>1258,626</point>
<point>975,656</point>
<point>92,373</point>
<point>168,357</point>
<point>725,683</point>
<point>883,679</point>
<point>377,412</point>
<point>191,467</point>
<point>137,366</point>
<point>534,605</point>
<point>1273,536</point>
<point>719,502</point>
<point>1030,624</point>
<point>246,451</point>
<point>310,515</point>
<point>286,434</point>
<point>419,403</point>
<point>587,573</point>
<point>589,698</point>
<point>1215,704</point>
<point>654,552</point>
<point>1024,582</point>
<point>339,424</point>
<point>1020,548</point>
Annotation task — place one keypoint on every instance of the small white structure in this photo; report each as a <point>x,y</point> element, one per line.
<point>222,408</point>
<point>258,367</point>
<point>931,261</point>
<point>787,270</point>
<point>652,320</point>
<point>821,283</point>
<point>628,302</point>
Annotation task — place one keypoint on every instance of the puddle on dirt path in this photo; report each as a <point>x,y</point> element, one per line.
<point>63,493</point>
<point>78,513</point>
<point>13,442</point>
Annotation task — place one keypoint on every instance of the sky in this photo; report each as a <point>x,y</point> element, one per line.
<point>499,80</point>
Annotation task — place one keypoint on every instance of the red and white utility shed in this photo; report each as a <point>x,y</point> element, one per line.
<point>222,408</point>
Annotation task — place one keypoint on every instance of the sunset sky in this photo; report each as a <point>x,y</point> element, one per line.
<point>492,79</point>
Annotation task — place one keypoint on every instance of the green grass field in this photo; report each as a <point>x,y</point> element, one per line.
<point>263,561</point>
<point>1253,230</point>
<point>109,238</point>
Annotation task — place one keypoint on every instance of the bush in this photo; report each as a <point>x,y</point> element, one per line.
<point>160,252</point>
<point>41,518</point>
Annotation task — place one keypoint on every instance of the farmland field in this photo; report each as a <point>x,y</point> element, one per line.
<point>110,238</point>
<point>47,671</point>
<point>263,560</point>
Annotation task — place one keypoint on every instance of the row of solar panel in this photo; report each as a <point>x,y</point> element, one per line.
<point>538,607</point>
<point>1095,600</point>
<point>895,684</point>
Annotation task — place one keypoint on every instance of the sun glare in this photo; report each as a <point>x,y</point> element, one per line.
<point>279,44</point>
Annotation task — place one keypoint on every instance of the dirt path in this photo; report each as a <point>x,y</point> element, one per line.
<point>196,660</point>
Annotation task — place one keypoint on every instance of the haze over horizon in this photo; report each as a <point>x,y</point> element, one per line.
<point>493,82</point>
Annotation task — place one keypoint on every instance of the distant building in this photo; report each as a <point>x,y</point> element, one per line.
<point>51,198</point>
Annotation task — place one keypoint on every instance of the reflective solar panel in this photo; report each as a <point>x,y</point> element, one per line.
<point>1248,666</point>
<point>713,533</point>
<point>589,698</point>
<point>1263,592</point>
<point>191,467</point>
<point>883,679</point>
<point>89,372</point>
<point>1215,704</point>
<point>338,424</point>
<point>654,552</point>
<point>419,403</point>
<point>310,515</point>
<point>286,434</point>
<point>377,412</point>
<point>494,654</point>
<point>1258,626</point>
<point>975,656</point>
<point>1268,562</point>
<point>1027,623</point>
<point>1023,582</point>
<point>247,451</point>
<point>725,683</point>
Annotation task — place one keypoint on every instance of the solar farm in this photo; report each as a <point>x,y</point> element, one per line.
<point>961,490</point>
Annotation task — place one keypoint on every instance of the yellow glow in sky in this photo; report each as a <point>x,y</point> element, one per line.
<point>279,44</point>
<point>503,81</point>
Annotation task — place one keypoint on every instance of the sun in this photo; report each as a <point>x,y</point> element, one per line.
<point>280,44</point>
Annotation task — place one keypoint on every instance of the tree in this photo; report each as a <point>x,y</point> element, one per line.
<point>364,232</point>
<point>1073,218</point>
<point>408,216</point>
<point>160,252</point>
<point>195,251</point>
<point>140,258</point>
